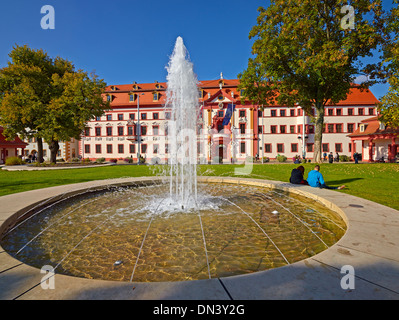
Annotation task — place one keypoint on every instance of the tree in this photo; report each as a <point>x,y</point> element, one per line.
<point>389,106</point>
<point>46,98</point>
<point>307,57</point>
<point>77,99</point>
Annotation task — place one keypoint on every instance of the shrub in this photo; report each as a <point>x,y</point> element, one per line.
<point>266,159</point>
<point>344,158</point>
<point>281,158</point>
<point>113,160</point>
<point>13,161</point>
<point>128,160</point>
<point>100,160</point>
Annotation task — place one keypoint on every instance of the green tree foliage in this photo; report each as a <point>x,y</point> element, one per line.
<point>303,55</point>
<point>47,98</point>
<point>389,106</point>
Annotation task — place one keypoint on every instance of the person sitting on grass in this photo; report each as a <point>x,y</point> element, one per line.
<point>316,180</point>
<point>297,176</point>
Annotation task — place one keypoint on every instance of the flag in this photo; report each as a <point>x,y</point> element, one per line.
<point>229,113</point>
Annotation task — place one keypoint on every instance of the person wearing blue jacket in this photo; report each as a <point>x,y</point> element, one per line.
<point>316,180</point>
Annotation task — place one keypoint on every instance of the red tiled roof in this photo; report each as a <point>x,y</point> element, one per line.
<point>373,128</point>
<point>120,96</point>
<point>16,143</point>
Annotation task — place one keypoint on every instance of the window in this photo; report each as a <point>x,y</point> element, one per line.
<point>330,112</point>
<point>98,148</point>
<point>242,147</point>
<point>338,128</point>
<point>87,132</point>
<point>282,113</point>
<point>311,129</point>
<point>292,112</point>
<point>294,147</point>
<point>280,147</point>
<point>98,131</point>
<point>338,147</point>
<point>143,116</point>
<point>242,113</point>
<point>167,115</point>
<point>260,114</point>
<point>143,148</point>
<point>109,148</point>
<point>132,148</point>
<point>273,113</point>
<point>273,129</point>
<point>166,148</point>
<point>155,115</point>
<point>325,147</point>
<point>131,116</point>
<point>220,114</point>
<point>98,118</point>
<point>371,111</point>
<point>109,117</point>
<point>155,130</point>
<point>130,131</point>
<point>131,97</point>
<point>242,128</point>
<point>155,96</point>
<point>120,117</point>
<point>350,112</point>
<point>292,129</point>
<point>120,131</point>
<point>143,130</point>
<point>360,111</point>
<point>87,148</point>
<point>155,148</point>
<point>109,98</point>
<point>268,148</point>
<point>282,129</point>
<point>109,131</point>
<point>309,147</point>
<point>260,129</point>
<point>299,128</point>
<point>120,148</point>
<point>330,128</point>
<point>339,112</point>
<point>351,127</point>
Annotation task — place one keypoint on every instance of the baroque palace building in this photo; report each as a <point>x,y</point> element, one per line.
<point>250,132</point>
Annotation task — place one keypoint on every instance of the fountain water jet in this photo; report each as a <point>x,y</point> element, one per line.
<point>183,103</point>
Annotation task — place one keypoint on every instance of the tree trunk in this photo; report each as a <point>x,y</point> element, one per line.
<point>40,150</point>
<point>54,147</point>
<point>318,137</point>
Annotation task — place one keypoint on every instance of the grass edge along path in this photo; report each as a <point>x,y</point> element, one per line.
<point>378,182</point>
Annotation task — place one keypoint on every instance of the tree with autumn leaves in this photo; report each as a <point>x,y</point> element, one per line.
<point>306,54</point>
<point>47,98</point>
<point>389,106</point>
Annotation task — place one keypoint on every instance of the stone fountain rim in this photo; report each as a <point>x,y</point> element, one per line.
<point>356,244</point>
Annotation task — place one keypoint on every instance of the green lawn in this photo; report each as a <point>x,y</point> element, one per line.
<point>377,182</point>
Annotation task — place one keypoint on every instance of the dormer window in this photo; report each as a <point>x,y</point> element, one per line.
<point>135,86</point>
<point>132,97</point>
<point>363,127</point>
<point>220,98</point>
<point>155,96</point>
<point>113,88</point>
<point>382,126</point>
<point>157,85</point>
<point>201,93</point>
<point>242,91</point>
<point>109,98</point>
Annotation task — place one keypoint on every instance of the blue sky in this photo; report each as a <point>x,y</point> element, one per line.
<point>127,40</point>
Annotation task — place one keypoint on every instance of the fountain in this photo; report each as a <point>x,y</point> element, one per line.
<point>183,229</point>
<point>182,100</point>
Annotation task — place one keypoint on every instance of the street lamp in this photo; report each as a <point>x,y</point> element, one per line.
<point>138,128</point>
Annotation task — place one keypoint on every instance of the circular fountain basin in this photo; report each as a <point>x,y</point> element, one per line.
<point>137,233</point>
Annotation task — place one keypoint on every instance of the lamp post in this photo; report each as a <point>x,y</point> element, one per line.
<point>138,129</point>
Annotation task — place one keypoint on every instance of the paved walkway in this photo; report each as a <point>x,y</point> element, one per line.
<point>370,246</point>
